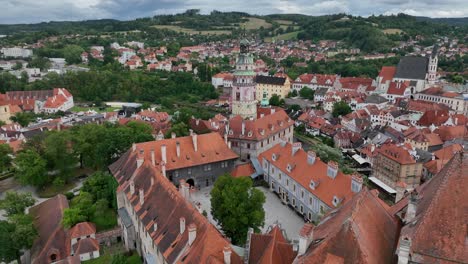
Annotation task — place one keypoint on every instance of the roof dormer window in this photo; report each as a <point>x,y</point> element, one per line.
<point>312,185</point>
<point>231,132</point>
<point>335,201</point>
<point>249,134</point>
<point>274,157</point>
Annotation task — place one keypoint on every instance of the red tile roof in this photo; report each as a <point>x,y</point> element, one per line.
<point>398,153</point>
<point>387,73</point>
<point>438,231</point>
<point>361,231</point>
<point>210,148</point>
<point>243,170</point>
<point>397,88</point>
<point>451,132</point>
<point>86,245</point>
<point>319,79</point>
<point>303,173</point>
<point>164,205</point>
<point>82,229</point>
<point>436,117</point>
<point>271,248</point>
<point>52,236</point>
<point>259,128</point>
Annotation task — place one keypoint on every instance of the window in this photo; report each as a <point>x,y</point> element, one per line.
<point>302,194</point>
<point>279,176</point>
<point>302,209</point>
<point>310,216</point>
<point>287,182</point>
<point>189,171</point>
<point>176,174</point>
<point>207,167</point>
<point>224,164</point>
<point>294,202</point>
<point>294,187</point>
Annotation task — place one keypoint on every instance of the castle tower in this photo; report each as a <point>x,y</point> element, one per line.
<point>243,101</point>
<point>432,67</point>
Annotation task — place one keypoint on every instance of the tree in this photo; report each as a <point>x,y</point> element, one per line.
<point>22,118</point>
<point>180,129</point>
<point>341,109</point>
<point>307,93</point>
<point>72,53</point>
<point>5,158</point>
<point>275,100</point>
<point>101,186</point>
<point>16,234</point>
<point>236,206</point>
<point>73,216</point>
<point>31,168</point>
<point>59,155</point>
<point>16,203</point>
<point>17,66</point>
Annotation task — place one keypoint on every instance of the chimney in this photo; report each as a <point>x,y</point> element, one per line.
<point>132,187</point>
<point>229,144</point>
<point>173,135</point>
<point>163,153</point>
<point>152,180</point>
<point>400,191</point>
<point>178,149</point>
<point>191,132</point>
<point>305,238</point>
<point>163,168</point>
<point>456,121</point>
<point>404,250</point>
<point>412,206</point>
<point>227,254</point>
<point>332,169</point>
<point>181,187</point>
<point>192,233</point>
<point>295,147</point>
<point>182,225</point>
<point>155,227</point>
<point>142,196</point>
<point>195,143</point>
<point>140,158</point>
<point>133,147</point>
<point>153,162</point>
<point>243,127</point>
<point>273,110</point>
<point>356,183</point>
<point>225,138</point>
<point>311,155</point>
<point>283,141</point>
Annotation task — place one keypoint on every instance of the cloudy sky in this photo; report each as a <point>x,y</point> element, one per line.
<point>31,11</point>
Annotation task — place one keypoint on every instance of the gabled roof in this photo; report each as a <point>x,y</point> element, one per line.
<point>243,170</point>
<point>412,68</point>
<point>304,173</point>
<point>86,245</point>
<point>361,231</point>
<point>387,73</point>
<point>82,229</point>
<point>271,248</point>
<point>438,231</point>
<point>210,148</point>
<point>164,206</point>
<point>52,236</point>
<point>260,128</point>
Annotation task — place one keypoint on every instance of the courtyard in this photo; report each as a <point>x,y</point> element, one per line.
<point>275,212</point>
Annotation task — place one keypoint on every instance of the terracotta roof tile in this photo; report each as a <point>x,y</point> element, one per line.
<point>304,173</point>
<point>243,170</point>
<point>82,229</point>
<point>361,231</point>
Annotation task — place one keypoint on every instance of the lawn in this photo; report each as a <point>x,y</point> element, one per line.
<point>52,190</point>
<point>255,23</point>
<point>105,221</point>
<point>108,252</point>
<point>192,31</point>
<point>392,31</point>
<point>286,36</point>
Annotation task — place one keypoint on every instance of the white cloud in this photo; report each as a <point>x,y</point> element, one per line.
<point>24,11</point>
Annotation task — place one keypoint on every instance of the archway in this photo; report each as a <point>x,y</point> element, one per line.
<point>191,182</point>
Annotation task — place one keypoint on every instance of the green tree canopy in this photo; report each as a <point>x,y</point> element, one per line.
<point>307,93</point>
<point>16,203</point>
<point>101,185</point>
<point>341,109</point>
<point>5,158</point>
<point>275,100</point>
<point>31,168</point>
<point>236,205</point>
<point>73,216</point>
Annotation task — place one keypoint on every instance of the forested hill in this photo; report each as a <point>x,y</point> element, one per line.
<point>371,34</point>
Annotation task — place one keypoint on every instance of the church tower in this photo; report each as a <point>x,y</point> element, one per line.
<point>432,66</point>
<point>243,101</point>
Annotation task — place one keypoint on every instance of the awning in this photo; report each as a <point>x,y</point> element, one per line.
<point>382,185</point>
<point>258,168</point>
<point>359,159</point>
